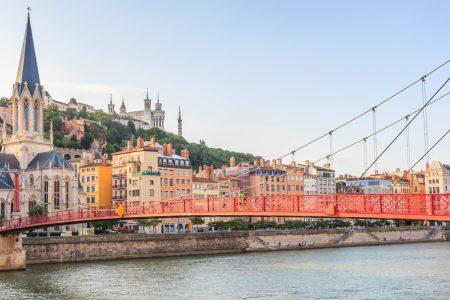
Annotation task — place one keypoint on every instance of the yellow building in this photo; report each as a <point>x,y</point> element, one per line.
<point>135,175</point>
<point>96,182</point>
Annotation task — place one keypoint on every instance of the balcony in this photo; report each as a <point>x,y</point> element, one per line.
<point>119,186</point>
<point>121,175</point>
<point>120,198</point>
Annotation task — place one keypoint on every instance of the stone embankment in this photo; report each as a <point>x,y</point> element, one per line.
<point>90,248</point>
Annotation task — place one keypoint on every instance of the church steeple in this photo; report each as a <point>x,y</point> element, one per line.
<point>180,123</point>
<point>28,70</point>
<point>110,105</point>
<point>123,109</point>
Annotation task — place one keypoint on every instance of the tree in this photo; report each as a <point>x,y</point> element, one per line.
<point>82,114</point>
<point>131,127</point>
<point>52,114</point>
<point>152,222</point>
<point>4,101</point>
<point>197,221</point>
<point>70,113</point>
<point>86,141</point>
<point>37,210</point>
<point>102,227</point>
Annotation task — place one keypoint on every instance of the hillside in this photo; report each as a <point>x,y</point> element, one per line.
<point>102,127</point>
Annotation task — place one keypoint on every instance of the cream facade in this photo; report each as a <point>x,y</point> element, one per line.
<point>135,174</point>
<point>437,178</point>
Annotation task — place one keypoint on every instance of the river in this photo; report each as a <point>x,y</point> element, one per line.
<point>392,271</point>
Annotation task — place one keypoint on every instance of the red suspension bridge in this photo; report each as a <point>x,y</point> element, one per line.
<point>424,207</point>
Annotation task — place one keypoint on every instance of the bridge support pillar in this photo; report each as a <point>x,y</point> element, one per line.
<point>12,255</point>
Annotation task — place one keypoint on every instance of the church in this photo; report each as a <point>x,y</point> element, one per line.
<point>31,171</point>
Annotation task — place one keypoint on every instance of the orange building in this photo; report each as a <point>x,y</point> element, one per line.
<point>96,182</point>
<point>176,172</point>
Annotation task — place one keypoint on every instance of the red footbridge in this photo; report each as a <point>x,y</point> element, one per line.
<point>420,207</point>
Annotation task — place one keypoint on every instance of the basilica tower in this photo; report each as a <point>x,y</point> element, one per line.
<point>147,109</point>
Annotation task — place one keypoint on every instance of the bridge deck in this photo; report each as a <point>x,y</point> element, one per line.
<point>356,206</point>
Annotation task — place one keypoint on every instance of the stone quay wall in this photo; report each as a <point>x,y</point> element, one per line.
<point>123,246</point>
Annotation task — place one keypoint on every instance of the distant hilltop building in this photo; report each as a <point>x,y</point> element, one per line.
<point>146,118</point>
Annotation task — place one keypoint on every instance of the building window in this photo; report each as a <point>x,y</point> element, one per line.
<point>56,194</point>
<point>67,193</point>
<point>36,115</point>
<point>26,112</point>
<point>46,192</point>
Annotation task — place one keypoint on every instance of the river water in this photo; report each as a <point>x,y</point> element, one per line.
<point>407,271</point>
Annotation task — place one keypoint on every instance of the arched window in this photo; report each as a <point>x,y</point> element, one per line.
<point>26,114</point>
<point>56,193</point>
<point>67,191</point>
<point>2,209</point>
<point>32,203</point>
<point>36,115</point>
<point>46,191</point>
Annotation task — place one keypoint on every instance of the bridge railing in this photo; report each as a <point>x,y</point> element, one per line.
<point>383,206</point>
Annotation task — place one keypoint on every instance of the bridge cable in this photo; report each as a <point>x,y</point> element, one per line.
<point>420,158</point>
<point>364,139</point>
<point>340,126</point>
<point>425,118</point>
<point>408,147</point>
<point>356,142</point>
<point>393,140</point>
<point>365,152</point>
<point>374,128</point>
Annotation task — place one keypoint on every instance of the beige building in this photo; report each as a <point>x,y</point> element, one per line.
<point>204,188</point>
<point>135,175</point>
<point>437,178</point>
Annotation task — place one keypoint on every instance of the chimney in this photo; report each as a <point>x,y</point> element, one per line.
<point>255,163</point>
<point>208,171</point>
<point>261,161</point>
<point>165,149</point>
<point>232,161</point>
<point>128,145</point>
<point>153,142</point>
<point>169,150</point>
<point>140,143</point>
<point>279,162</point>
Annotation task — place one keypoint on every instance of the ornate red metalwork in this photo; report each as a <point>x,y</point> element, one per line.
<point>434,207</point>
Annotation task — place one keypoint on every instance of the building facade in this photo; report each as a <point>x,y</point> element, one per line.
<point>437,178</point>
<point>33,172</point>
<point>135,174</point>
<point>176,172</point>
<point>96,181</point>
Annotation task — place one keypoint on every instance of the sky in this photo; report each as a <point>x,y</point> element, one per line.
<point>262,77</point>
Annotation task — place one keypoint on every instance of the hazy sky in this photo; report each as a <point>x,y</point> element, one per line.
<point>253,76</point>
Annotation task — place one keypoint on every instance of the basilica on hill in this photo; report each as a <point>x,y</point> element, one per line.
<point>31,171</point>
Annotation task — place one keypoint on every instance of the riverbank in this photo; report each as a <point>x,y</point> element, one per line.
<point>125,246</point>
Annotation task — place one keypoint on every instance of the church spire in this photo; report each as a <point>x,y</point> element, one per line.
<point>28,69</point>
